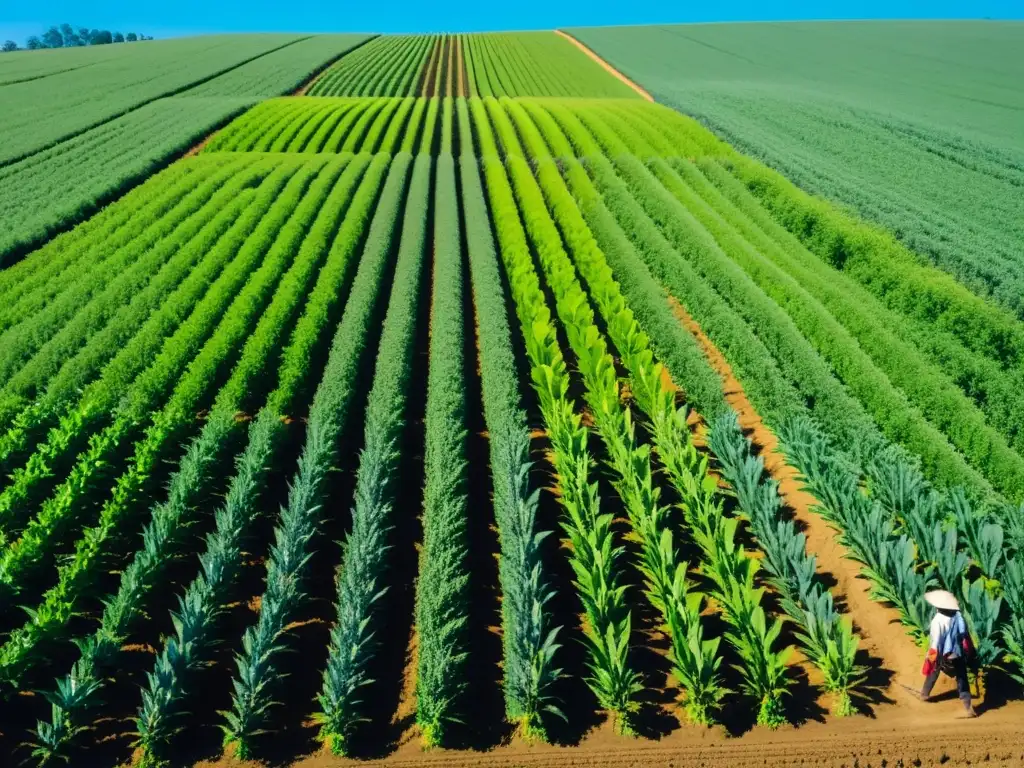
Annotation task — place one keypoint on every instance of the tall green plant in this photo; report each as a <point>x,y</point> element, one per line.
<point>529,641</point>
<point>287,566</point>
<point>361,580</point>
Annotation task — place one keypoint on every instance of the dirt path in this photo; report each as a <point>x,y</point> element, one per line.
<point>608,67</point>
<point>882,636</point>
<point>853,742</point>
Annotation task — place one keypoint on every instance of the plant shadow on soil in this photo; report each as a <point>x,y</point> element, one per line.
<point>483,725</point>
<point>107,738</point>
<point>870,692</point>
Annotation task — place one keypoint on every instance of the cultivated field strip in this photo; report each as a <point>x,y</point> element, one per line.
<point>941,172</point>
<point>378,283</point>
<point>535,64</point>
<point>59,184</point>
<point>493,64</point>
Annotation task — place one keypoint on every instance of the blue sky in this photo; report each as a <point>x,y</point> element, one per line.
<point>20,19</point>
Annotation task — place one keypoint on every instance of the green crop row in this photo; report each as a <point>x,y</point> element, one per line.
<point>442,589</point>
<point>323,125</point>
<point>30,284</point>
<point>29,482</point>
<point>176,420</point>
<point>39,345</point>
<point>361,579</point>
<point>529,640</point>
<point>288,561</point>
<point>535,64</point>
<point>594,556</point>
<point>102,380</point>
<point>76,693</point>
<point>731,570</point>
<point>205,598</point>
<point>386,66</point>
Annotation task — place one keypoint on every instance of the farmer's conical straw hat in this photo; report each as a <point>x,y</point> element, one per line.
<point>940,598</point>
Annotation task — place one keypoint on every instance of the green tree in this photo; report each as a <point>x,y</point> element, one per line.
<point>9,45</point>
<point>53,38</point>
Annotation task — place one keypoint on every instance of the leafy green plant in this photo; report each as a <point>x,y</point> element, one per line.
<point>529,641</point>
<point>200,606</point>
<point>826,638</point>
<point>595,556</point>
<point>361,581</point>
<point>256,676</point>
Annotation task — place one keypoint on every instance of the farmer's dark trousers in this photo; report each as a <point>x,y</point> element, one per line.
<point>954,667</point>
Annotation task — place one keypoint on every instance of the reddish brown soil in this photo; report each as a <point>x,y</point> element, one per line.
<point>195,150</point>
<point>608,67</point>
<point>889,741</point>
<point>896,729</point>
<point>882,636</point>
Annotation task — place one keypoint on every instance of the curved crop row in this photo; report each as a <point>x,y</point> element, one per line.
<point>130,265</point>
<point>66,250</point>
<point>59,338</point>
<point>32,283</point>
<point>138,395</point>
<point>777,328</point>
<point>174,422</point>
<point>933,363</point>
<point>102,380</point>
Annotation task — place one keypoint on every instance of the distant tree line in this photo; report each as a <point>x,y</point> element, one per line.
<point>65,36</point>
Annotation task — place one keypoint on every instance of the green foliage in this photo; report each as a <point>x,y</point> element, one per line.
<point>386,66</point>
<point>595,556</point>
<point>361,580</point>
<point>95,334</point>
<point>826,638</point>
<point>173,424</point>
<point>863,525</point>
<point>878,127</point>
<point>536,64</point>
<point>921,337</point>
<point>101,127</point>
<point>884,372</point>
<point>196,620</point>
<point>529,641</point>
<point>442,590</point>
<point>254,683</point>
<point>694,658</point>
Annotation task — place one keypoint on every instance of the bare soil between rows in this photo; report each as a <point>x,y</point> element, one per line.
<point>898,738</point>
<point>605,65</point>
<point>893,728</point>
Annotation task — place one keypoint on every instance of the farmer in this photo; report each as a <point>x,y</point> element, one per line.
<point>950,649</point>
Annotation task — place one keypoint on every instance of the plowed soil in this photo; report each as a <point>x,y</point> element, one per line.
<point>894,728</point>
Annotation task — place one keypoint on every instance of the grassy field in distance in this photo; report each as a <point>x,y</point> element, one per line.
<point>918,126</point>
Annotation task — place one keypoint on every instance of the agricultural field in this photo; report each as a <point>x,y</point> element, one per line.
<point>80,135</point>
<point>469,400</point>
<point>916,125</point>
